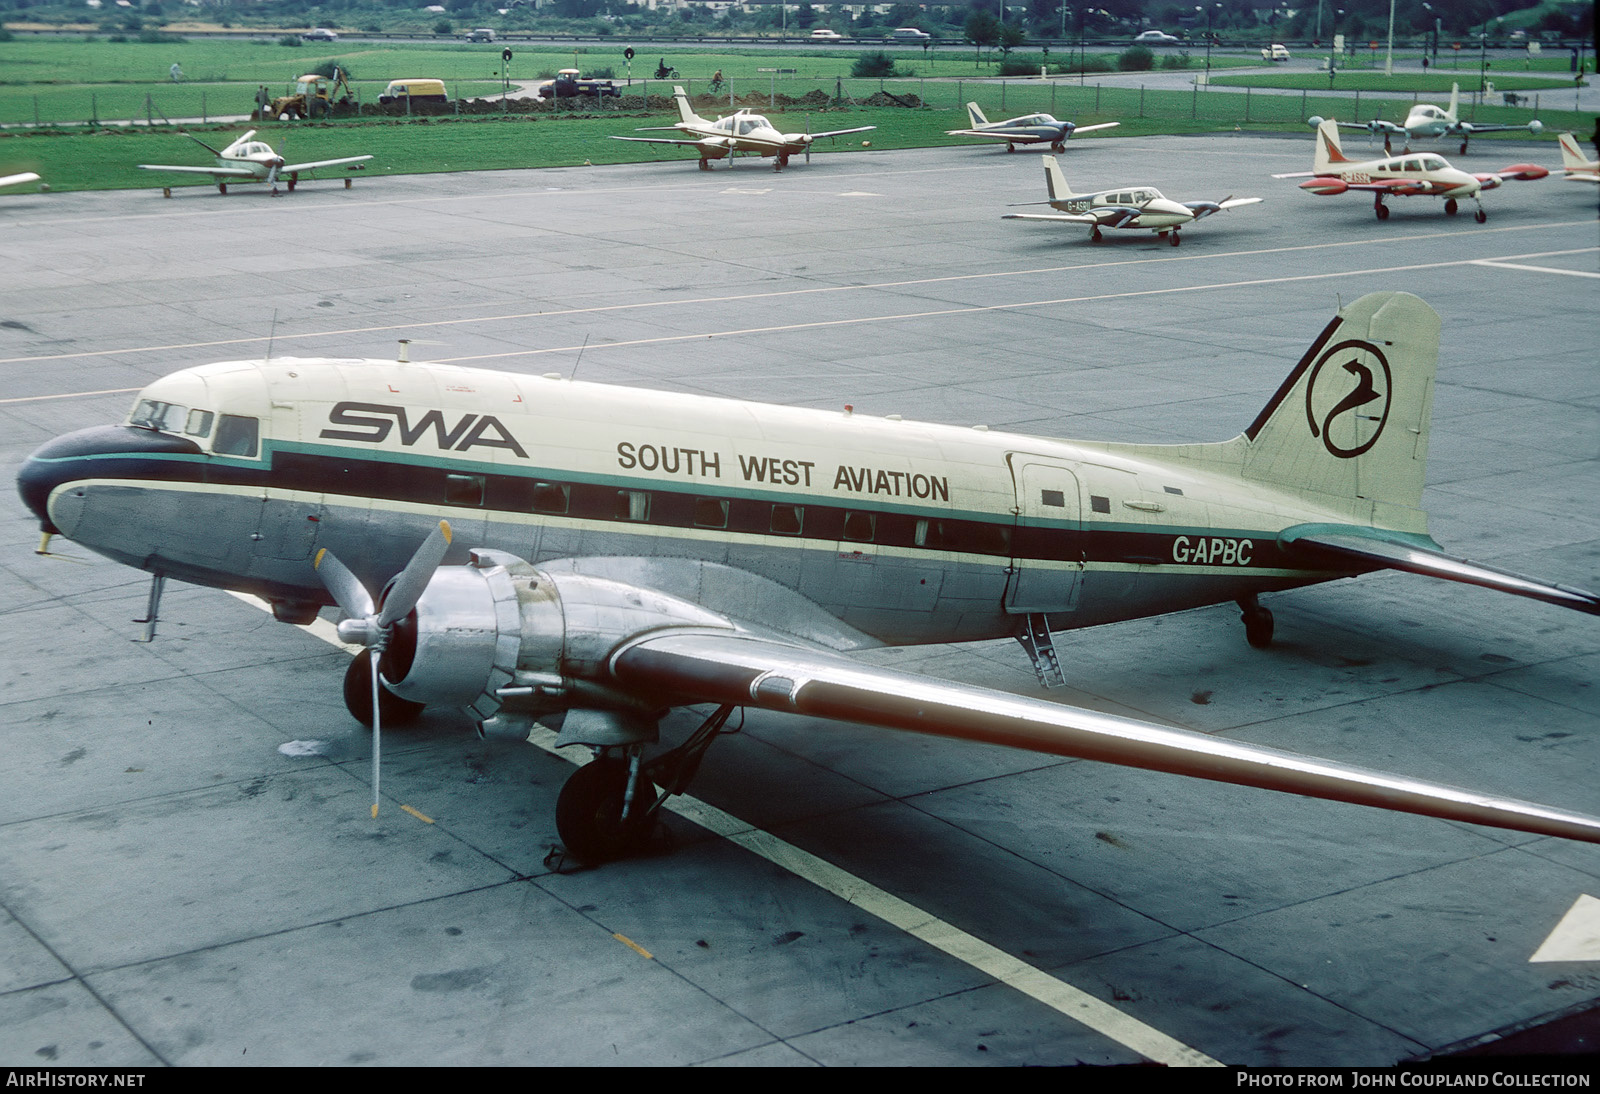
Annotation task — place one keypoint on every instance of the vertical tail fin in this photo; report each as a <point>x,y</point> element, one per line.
<point>1352,418</point>
<point>686,112</point>
<point>1055,181</point>
<point>975,115</point>
<point>1328,151</point>
<point>1571,158</point>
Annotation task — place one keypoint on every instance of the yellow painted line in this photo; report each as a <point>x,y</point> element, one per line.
<point>421,817</point>
<point>1053,992</point>
<point>634,946</point>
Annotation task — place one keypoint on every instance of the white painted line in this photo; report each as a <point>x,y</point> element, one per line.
<point>1576,937</point>
<point>1532,269</point>
<point>1053,992</point>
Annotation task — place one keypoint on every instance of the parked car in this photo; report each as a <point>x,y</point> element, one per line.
<point>1277,51</point>
<point>482,34</point>
<point>1154,38</point>
<point>909,34</point>
<point>823,34</point>
<point>570,82</point>
<point>319,34</point>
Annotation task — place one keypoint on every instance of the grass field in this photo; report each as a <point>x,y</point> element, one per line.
<point>1434,83</point>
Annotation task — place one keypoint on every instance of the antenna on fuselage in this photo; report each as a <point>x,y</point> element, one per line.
<point>579,361</point>
<point>271,333</point>
<point>405,345</point>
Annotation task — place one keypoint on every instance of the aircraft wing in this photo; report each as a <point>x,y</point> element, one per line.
<point>214,172</point>
<point>1091,128</point>
<point>1373,549</point>
<point>18,179</point>
<point>1206,208</point>
<point>659,140</point>
<point>1060,218</point>
<point>290,168</point>
<point>720,666</point>
<point>830,133</point>
<point>992,134</point>
<point>1472,129</point>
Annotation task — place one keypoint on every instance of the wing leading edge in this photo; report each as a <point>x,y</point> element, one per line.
<point>746,670</point>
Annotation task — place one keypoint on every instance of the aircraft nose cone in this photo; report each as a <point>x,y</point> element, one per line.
<point>97,451</point>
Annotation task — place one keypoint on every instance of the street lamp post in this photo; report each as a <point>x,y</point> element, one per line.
<point>1388,57</point>
<point>1208,11</point>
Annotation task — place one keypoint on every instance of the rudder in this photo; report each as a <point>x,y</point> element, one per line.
<point>975,115</point>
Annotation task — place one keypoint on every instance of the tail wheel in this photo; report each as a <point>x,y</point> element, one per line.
<point>358,697</point>
<point>589,812</point>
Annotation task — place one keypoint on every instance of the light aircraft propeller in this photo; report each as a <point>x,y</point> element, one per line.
<point>371,626</point>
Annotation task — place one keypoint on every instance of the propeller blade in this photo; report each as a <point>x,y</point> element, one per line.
<point>347,590</point>
<point>408,588</point>
<point>377,731</point>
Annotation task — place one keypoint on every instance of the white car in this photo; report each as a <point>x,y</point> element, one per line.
<point>908,34</point>
<point>319,34</point>
<point>823,34</point>
<point>1155,38</point>
<point>1277,51</point>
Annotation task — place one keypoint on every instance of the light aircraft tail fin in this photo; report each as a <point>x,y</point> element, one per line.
<point>1571,158</point>
<point>1351,420</point>
<point>1055,181</point>
<point>975,114</point>
<point>685,111</point>
<point>1328,151</point>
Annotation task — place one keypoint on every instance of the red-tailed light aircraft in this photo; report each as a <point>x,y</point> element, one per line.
<point>611,552</point>
<point>247,160</point>
<point>1028,129</point>
<point>1428,122</point>
<point>1407,175</point>
<point>1132,207</point>
<point>1574,166</point>
<point>741,132</point>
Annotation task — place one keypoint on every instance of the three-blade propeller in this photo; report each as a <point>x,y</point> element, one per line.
<point>371,626</point>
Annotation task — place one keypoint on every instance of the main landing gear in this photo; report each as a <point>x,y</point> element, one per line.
<point>1094,234</point>
<point>609,808</point>
<point>1257,621</point>
<point>1172,238</point>
<point>1450,207</point>
<point>1379,207</point>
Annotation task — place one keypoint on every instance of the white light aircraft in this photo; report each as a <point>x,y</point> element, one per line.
<point>247,160</point>
<point>1028,129</point>
<point>741,132</point>
<point>1573,164</point>
<point>1132,207</point>
<point>1407,175</point>
<point>1428,122</point>
<point>611,553</point>
<point>18,179</point>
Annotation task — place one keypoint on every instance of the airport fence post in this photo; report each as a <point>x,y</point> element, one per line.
<point>94,109</point>
<point>1194,101</point>
<point>1302,104</point>
<point>149,111</point>
<point>203,116</point>
<point>1358,106</point>
<point>1052,98</point>
<point>1247,106</point>
<point>1141,100</point>
<point>36,112</point>
<point>1097,96</point>
<point>1002,96</point>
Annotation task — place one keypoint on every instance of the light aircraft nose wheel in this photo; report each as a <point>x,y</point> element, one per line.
<point>1172,238</point>
<point>1450,207</point>
<point>1463,148</point>
<point>589,812</point>
<point>1257,622</point>
<point>358,697</point>
<point>1480,216</point>
<point>1058,147</point>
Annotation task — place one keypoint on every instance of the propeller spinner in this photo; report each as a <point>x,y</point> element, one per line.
<point>371,626</point>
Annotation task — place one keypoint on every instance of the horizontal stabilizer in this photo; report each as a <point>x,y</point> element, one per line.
<point>1336,545</point>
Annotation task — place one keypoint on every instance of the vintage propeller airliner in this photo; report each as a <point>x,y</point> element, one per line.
<point>612,552</point>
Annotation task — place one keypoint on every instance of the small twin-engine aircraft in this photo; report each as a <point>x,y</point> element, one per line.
<point>612,552</point>
<point>1406,175</point>
<point>1574,166</point>
<point>1137,207</point>
<point>1028,129</point>
<point>247,160</point>
<point>1428,122</point>
<point>18,179</point>
<point>741,132</point>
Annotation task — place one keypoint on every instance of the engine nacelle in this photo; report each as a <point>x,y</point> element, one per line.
<point>1523,172</point>
<point>499,629</point>
<point>1325,185</point>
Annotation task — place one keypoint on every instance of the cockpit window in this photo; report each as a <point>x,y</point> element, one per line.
<point>199,423</point>
<point>154,414</point>
<point>236,436</point>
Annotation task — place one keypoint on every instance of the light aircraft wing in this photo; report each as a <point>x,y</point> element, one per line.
<point>659,140</point>
<point>749,670</point>
<point>290,168</point>
<point>1206,208</point>
<point>992,134</point>
<point>1091,128</point>
<point>1060,218</point>
<point>1472,129</point>
<point>214,172</point>
<point>835,132</point>
<point>1374,549</point>
<point>18,179</point>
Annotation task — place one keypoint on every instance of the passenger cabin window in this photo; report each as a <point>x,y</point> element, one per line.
<point>463,490</point>
<point>1055,498</point>
<point>633,505</point>
<point>710,513</point>
<point>199,423</point>
<point>549,497</point>
<point>236,436</point>
<point>787,520</point>
<point>860,527</point>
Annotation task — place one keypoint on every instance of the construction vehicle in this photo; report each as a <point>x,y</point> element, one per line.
<point>315,96</point>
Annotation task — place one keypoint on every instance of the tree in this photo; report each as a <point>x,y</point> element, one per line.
<point>877,64</point>
<point>982,29</point>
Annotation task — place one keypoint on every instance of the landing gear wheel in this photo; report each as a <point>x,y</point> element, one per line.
<point>1480,216</point>
<point>1010,147</point>
<point>1095,235</point>
<point>1463,148</point>
<point>358,696</point>
<point>705,165</point>
<point>1172,238</point>
<point>292,180</point>
<point>1382,211</point>
<point>1257,627</point>
<point>589,813</point>
<point>1450,207</point>
<point>222,188</point>
<point>1058,146</point>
